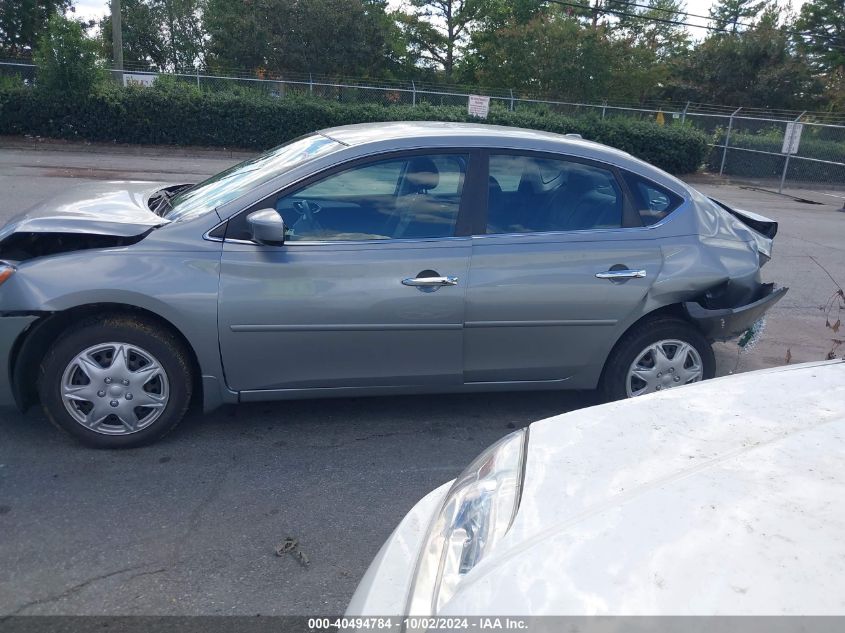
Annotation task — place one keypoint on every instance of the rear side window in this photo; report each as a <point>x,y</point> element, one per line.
<point>529,194</point>
<point>652,201</point>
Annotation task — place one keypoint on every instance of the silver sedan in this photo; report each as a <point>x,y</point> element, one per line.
<point>368,260</point>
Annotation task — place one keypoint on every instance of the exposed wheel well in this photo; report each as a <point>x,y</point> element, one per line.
<point>675,310</point>
<point>29,350</point>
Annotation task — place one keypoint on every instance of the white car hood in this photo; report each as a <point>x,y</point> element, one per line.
<point>719,498</point>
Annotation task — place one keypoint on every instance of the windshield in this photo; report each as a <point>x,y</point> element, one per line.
<point>232,183</point>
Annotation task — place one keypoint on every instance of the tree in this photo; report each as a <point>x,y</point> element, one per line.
<point>822,27</point>
<point>239,33</point>
<point>318,36</point>
<point>66,60</point>
<point>822,24</point>
<point>401,59</point>
<point>144,46</point>
<point>438,30</point>
<point>646,41</point>
<point>653,30</point>
<point>159,34</point>
<point>577,53</point>
<point>22,22</point>
<point>551,54</point>
<point>494,16</point>
<point>731,14</point>
<point>183,32</point>
<point>759,67</point>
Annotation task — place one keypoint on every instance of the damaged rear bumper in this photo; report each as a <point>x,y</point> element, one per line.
<point>723,324</point>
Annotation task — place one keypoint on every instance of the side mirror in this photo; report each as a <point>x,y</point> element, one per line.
<point>267,227</point>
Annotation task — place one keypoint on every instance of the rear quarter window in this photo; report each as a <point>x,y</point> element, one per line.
<point>652,201</point>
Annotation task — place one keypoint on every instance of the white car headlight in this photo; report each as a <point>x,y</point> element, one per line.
<point>474,516</point>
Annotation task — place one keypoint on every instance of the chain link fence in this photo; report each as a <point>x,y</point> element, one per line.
<point>801,152</point>
<point>776,149</point>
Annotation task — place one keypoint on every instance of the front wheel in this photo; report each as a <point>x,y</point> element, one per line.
<point>657,355</point>
<point>116,382</point>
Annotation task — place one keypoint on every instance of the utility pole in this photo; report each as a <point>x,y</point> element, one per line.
<point>117,41</point>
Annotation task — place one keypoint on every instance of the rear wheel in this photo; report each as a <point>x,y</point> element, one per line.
<point>656,355</point>
<point>116,382</point>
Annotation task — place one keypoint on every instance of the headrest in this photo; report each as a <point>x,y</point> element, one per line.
<point>529,183</point>
<point>421,175</point>
<point>494,186</point>
<point>581,179</point>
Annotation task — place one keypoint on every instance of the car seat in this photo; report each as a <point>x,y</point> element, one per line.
<point>420,214</point>
<point>582,205</point>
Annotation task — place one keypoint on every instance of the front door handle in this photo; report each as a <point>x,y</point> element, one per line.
<point>621,274</point>
<point>429,282</point>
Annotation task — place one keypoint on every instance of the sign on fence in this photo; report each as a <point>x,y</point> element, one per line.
<point>137,79</point>
<point>479,106</point>
<point>792,138</point>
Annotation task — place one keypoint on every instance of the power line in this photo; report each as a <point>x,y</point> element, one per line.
<point>707,27</point>
<point>748,25</point>
<point>640,16</point>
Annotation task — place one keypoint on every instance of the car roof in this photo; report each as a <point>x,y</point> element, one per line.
<point>464,134</point>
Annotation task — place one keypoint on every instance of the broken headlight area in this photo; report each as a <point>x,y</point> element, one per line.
<point>23,246</point>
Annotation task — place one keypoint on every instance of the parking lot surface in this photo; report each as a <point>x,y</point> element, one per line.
<point>189,525</point>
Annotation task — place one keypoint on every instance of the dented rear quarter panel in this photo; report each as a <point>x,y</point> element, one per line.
<point>706,256</point>
<point>722,251</point>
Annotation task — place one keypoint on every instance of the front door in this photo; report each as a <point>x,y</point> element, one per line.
<point>368,289</point>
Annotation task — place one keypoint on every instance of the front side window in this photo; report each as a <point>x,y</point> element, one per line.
<point>528,194</point>
<point>653,202</point>
<point>402,198</point>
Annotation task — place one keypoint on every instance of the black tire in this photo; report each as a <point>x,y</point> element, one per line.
<point>613,383</point>
<point>164,346</point>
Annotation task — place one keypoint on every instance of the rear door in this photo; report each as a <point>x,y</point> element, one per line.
<point>559,264</point>
<point>368,289</point>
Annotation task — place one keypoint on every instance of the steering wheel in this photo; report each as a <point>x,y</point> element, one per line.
<point>307,209</point>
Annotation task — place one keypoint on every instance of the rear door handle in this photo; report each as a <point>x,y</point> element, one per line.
<point>621,274</point>
<point>427,282</point>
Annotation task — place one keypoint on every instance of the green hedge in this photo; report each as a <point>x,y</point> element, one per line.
<point>753,164</point>
<point>178,115</point>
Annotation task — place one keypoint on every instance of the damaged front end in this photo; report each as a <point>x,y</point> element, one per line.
<point>735,305</point>
<point>92,216</point>
<point>20,247</point>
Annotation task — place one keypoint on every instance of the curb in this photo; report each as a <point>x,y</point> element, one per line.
<point>37,143</point>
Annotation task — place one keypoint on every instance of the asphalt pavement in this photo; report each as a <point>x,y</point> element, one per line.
<point>190,525</point>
